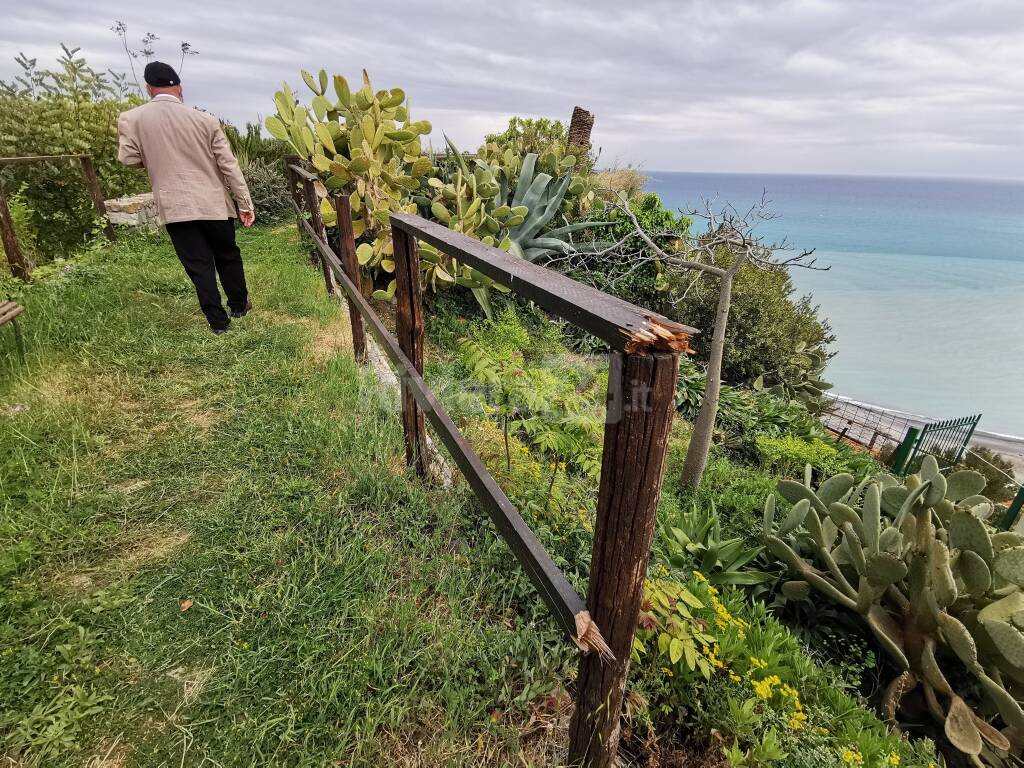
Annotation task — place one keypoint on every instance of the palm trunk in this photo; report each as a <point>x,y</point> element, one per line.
<point>704,427</point>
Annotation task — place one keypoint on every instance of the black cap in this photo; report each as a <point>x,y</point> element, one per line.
<point>160,75</point>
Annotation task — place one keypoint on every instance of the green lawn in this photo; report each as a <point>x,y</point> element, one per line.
<point>212,553</point>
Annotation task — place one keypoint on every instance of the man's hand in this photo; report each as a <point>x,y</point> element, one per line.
<point>247,217</point>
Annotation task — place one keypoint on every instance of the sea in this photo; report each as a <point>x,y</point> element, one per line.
<point>925,286</point>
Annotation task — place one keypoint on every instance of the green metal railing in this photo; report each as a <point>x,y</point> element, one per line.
<point>1013,511</point>
<point>943,439</point>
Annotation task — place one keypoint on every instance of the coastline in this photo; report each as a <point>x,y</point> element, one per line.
<point>1010,446</point>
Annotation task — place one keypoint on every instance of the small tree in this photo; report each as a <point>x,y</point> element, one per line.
<point>729,244</point>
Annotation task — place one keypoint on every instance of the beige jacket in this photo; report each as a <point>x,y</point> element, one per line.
<point>188,159</point>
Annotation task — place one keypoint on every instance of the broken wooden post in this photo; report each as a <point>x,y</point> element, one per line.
<point>580,126</point>
<point>317,220</point>
<point>409,325</point>
<point>92,183</point>
<point>641,402</point>
<point>21,265</point>
<point>346,250</point>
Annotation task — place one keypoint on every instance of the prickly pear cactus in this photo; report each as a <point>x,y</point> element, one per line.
<point>365,143</point>
<point>937,586</point>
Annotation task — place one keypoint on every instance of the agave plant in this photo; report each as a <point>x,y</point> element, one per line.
<point>940,590</point>
<point>516,200</point>
<point>694,539</point>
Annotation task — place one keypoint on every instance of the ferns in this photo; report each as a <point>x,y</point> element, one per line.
<point>539,406</point>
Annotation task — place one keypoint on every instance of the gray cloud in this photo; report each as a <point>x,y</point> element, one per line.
<point>928,87</point>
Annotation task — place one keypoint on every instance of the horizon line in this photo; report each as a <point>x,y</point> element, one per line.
<point>827,174</point>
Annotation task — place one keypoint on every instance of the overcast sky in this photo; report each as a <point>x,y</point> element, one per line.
<point>907,87</point>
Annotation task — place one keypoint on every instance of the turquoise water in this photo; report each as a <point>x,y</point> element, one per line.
<point>925,289</point>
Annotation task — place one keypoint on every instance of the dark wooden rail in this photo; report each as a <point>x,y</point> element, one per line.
<point>21,265</point>
<point>618,323</point>
<point>641,390</point>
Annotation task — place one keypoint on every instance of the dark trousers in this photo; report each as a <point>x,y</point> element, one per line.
<point>207,249</point>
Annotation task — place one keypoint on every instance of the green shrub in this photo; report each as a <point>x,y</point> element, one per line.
<point>269,190</point>
<point>713,662</point>
<point>24,224</point>
<point>252,146</point>
<point>72,109</point>
<point>766,319</point>
<point>788,455</point>
<point>736,490</point>
<point>539,135</point>
<point>997,470</point>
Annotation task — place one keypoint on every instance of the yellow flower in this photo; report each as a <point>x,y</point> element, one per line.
<point>699,576</point>
<point>734,677</point>
<point>823,731</point>
<point>852,757</point>
<point>762,688</point>
<point>797,721</point>
<point>894,759</point>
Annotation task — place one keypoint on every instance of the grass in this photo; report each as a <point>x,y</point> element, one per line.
<point>212,553</point>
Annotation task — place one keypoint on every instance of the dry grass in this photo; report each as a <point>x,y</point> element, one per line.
<point>332,338</point>
<point>196,414</point>
<point>149,548</point>
<point>611,181</point>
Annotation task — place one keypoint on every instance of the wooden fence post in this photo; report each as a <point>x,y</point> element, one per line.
<point>641,392</point>
<point>293,188</point>
<point>21,265</point>
<point>346,250</point>
<point>409,324</point>
<point>317,220</point>
<point>92,183</point>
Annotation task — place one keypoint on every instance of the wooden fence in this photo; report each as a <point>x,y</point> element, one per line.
<point>641,390</point>
<point>21,265</point>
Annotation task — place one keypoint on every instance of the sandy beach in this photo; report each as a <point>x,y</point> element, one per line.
<point>892,424</point>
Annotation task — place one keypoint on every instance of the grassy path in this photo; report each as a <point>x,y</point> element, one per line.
<point>210,553</point>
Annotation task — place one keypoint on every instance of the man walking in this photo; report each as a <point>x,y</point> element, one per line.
<point>198,188</point>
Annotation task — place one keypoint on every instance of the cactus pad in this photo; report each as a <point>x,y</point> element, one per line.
<point>1009,564</point>
<point>964,483</point>
<point>796,590</point>
<point>841,513</point>
<point>1002,609</point>
<point>940,574</point>
<point>890,540</point>
<point>835,488</point>
<point>1005,540</point>
<point>893,498</point>
<point>975,573</point>
<point>872,514</point>
<point>960,728</point>
<point>885,568</point>
<point>795,517</point>
<point>1008,640</point>
<point>792,491</point>
<point>959,639</point>
<point>966,532</point>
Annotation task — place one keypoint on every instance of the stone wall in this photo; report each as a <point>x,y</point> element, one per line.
<point>133,211</point>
